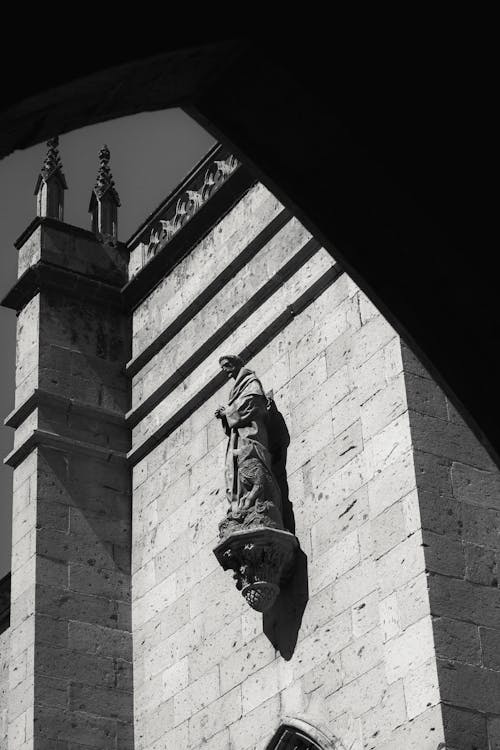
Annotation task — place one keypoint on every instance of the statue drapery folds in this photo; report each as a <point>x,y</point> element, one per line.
<point>254,543</point>
<point>253,494</point>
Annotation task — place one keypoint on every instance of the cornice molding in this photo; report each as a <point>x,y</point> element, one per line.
<point>40,397</point>
<point>48,275</point>
<point>61,226</point>
<point>231,324</point>
<point>140,451</point>
<point>48,439</point>
<point>208,292</point>
<point>169,252</point>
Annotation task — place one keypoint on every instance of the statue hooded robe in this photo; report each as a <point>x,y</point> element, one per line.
<point>252,492</point>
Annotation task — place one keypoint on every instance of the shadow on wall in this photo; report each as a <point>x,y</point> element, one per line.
<point>282,622</point>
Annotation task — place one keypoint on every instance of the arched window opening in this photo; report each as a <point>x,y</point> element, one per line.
<point>291,738</point>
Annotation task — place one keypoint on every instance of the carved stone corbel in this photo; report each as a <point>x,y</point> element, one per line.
<point>261,559</point>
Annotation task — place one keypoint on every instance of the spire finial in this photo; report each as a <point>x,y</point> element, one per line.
<point>51,183</point>
<point>104,201</point>
<point>104,180</point>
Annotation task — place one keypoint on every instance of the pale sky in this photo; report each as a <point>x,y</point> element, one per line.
<point>150,154</point>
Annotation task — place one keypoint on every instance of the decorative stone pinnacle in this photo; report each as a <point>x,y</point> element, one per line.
<point>51,183</point>
<point>104,181</point>
<point>52,163</point>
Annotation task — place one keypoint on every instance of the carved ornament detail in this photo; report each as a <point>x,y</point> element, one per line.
<point>189,203</point>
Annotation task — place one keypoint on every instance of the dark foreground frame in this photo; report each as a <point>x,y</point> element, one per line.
<point>381,153</point>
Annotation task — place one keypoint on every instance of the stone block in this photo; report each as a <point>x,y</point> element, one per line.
<point>371,337</point>
<point>196,696</point>
<point>210,723</point>
<point>214,648</point>
<point>388,529</point>
<point>409,650</point>
<point>326,675</point>
<point>255,725</point>
<point>356,697</point>
<point>323,398</point>
<point>425,396</point>
<point>266,683</point>
<point>494,732</point>
<point>440,514</point>
<point>379,723</point>
<point>362,654</point>
<point>238,665</point>
<point>324,643</point>
<point>174,648</point>
<point>490,646</point>
<point>103,702</point>
<point>336,561</point>
<point>463,600</point>
<point>481,526</point>
<point>310,443</point>
<point>177,738</point>
<point>317,339</point>
<point>457,640</point>
<point>413,600</point>
<point>421,690</point>
<point>53,726</point>
<point>391,483</point>
<point>398,566</point>
<point>443,555</point>
<point>451,441</point>
<point>365,614</point>
<point>73,605</point>
<point>344,518</point>
<point>476,486</point>
<point>103,582</point>
<point>391,443</point>
<point>390,619</point>
<point>481,565</point>
<point>464,729</point>
<point>338,352</point>
<point>96,639</point>
<point>468,686</point>
<point>383,407</point>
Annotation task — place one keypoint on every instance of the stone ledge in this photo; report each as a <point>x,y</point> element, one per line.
<point>52,440</point>
<point>74,284</point>
<point>54,224</point>
<point>138,362</point>
<point>212,385</point>
<point>261,295</point>
<point>41,397</point>
<point>181,244</point>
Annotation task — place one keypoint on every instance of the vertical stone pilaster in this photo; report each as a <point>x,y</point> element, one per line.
<point>458,488</point>
<point>71,647</point>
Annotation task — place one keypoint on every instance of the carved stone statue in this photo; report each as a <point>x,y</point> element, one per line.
<point>253,541</point>
<point>253,494</point>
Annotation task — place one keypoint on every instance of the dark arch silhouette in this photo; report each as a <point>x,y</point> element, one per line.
<point>382,151</point>
<point>297,734</point>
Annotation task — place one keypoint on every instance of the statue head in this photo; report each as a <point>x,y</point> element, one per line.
<point>231,364</point>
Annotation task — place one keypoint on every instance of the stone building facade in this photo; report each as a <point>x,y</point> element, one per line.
<point>125,632</point>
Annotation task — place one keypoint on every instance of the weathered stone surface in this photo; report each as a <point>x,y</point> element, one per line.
<point>490,646</point>
<point>457,640</point>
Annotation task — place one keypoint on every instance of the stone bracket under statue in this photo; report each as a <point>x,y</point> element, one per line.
<point>262,560</point>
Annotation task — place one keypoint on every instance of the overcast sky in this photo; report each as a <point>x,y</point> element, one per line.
<point>150,154</point>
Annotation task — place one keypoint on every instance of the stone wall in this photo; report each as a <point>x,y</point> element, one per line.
<point>209,671</point>
<point>459,499</point>
<point>70,671</point>
<point>4,688</point>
